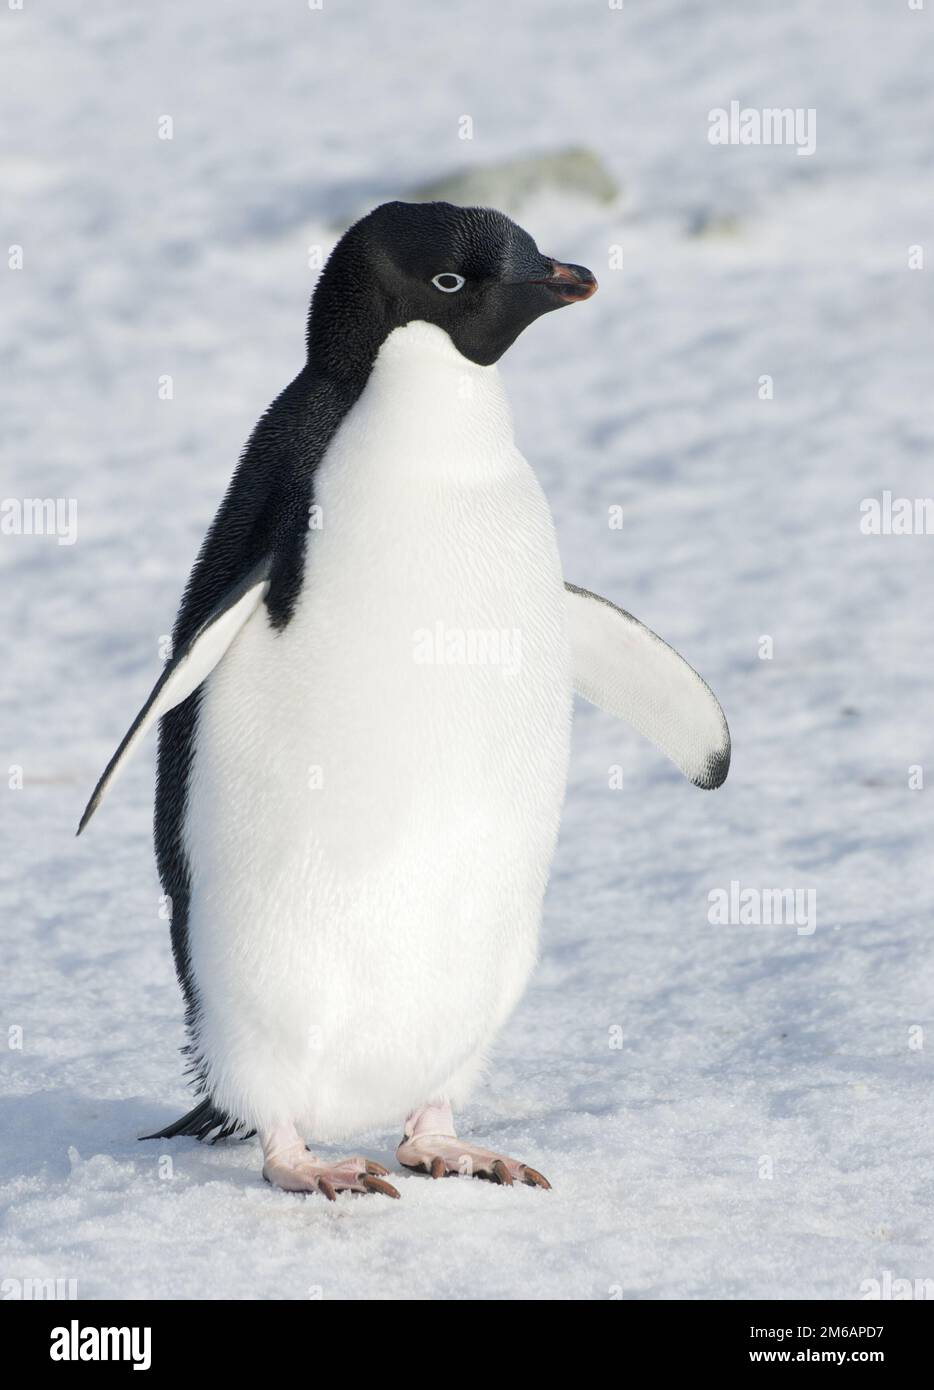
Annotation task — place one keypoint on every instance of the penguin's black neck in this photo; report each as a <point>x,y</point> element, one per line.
<point>348,321</point>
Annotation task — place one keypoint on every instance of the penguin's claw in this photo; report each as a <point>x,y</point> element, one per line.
<point>380,1185</point>
<point>444,1156</point>
<point>536,1179</point>
<point>305,1174</point>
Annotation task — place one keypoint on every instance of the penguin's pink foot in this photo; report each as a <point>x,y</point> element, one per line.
<point>430,1145</point>
<point>289,1165</point>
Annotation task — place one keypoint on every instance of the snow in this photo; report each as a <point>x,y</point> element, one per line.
<point>741,1048</point>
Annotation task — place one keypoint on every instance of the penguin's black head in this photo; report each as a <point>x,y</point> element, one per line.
<point>471,271</point>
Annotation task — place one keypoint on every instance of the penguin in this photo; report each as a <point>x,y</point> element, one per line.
<point>365,721</point>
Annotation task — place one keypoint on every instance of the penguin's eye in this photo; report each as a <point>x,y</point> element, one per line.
<point>449,282</point>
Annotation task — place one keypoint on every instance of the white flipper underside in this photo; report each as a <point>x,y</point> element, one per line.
<point>622,667</point>
<point>183,674</point>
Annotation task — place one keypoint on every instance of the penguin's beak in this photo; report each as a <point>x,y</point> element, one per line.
<point>569,282</point>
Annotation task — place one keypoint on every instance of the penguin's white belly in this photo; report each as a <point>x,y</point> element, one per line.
<point>376,790</point>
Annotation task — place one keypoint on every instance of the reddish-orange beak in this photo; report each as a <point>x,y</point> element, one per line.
<point>570,282</point>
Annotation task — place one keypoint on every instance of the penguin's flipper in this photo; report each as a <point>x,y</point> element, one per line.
<point>624,668</point>
<point>189,666</point>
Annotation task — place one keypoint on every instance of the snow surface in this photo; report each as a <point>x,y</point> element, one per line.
<point>739,1044</point>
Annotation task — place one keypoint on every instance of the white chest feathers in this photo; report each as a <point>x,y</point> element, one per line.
<point>377,788</point>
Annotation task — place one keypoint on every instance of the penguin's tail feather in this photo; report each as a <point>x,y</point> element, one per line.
<point>201,1123</point>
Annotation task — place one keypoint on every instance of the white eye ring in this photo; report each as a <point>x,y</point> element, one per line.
<point>449,275</point>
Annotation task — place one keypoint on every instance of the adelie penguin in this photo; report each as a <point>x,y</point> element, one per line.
<point>357,802</point>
